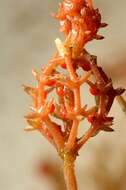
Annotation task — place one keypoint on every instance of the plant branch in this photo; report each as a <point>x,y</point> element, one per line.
<point>86,136</point>
<point>56,133</point>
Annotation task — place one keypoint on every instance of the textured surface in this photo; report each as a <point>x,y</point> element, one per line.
<point>27,41</point>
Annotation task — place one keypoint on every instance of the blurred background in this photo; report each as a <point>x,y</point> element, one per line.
<point>27,34</point>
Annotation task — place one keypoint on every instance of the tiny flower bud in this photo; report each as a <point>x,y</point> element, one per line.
<point>86,66</point>
<point>60,90</point>
<point>63,65</point>
<point>50,83</point>
<point>94,91</point>
<point>91,118</point>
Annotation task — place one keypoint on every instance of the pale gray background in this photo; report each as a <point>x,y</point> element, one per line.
<point>27,34</point>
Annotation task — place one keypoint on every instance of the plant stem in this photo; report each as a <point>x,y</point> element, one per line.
<point>69,173</point>
<point>73,134</point>
<point>69,63</point>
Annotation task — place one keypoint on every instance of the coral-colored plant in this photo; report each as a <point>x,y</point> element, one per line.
<point>80,23</point>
